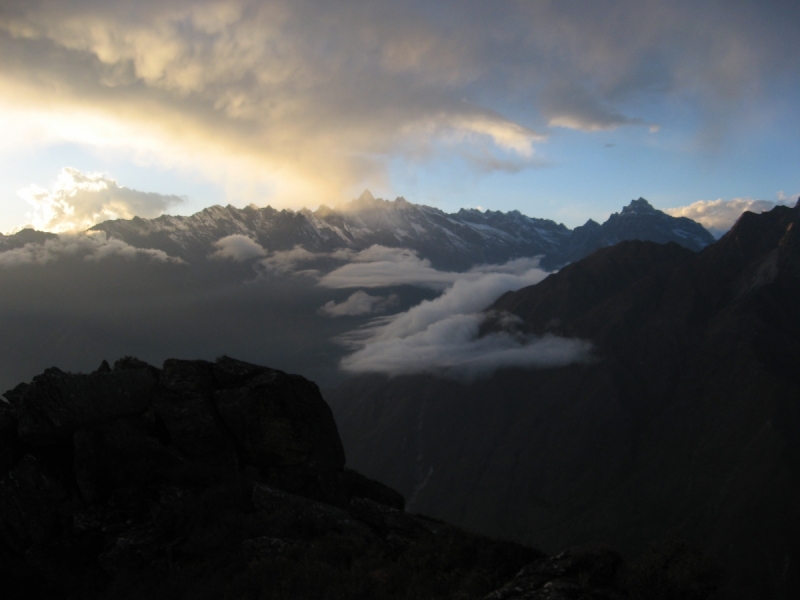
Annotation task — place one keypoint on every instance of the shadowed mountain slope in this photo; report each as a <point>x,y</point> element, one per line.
<point>686,423</point>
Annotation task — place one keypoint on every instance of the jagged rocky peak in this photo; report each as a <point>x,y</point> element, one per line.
<point>366,202</point>
<point>452,241</point>
<point>638,207</point>
<point>323,210</point>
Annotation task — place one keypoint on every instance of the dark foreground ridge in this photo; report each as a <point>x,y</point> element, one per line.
<point>227,480</point>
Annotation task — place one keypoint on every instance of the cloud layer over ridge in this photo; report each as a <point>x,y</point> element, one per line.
<point>442,335</point>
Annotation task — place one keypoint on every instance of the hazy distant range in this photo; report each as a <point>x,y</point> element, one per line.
<point>375,283</point>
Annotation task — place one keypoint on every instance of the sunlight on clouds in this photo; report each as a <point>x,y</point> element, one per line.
<point>216,83</point>
<point>301,102</point>
<point>719,215</point>
<point>78,201</point>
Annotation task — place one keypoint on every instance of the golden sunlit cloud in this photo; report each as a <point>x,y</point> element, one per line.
<point>79,201</point>
<point>719,215</point>
<point>244,92</point>
<point>301,103</point>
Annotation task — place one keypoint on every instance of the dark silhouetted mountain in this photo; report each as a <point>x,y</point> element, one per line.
<point>226,480</point>
<point>24,236</point>
<point>637,221</point>
<point>452,241</point>
<point>686,423</point>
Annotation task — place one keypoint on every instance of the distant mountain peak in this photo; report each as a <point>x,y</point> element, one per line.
<point>366,196</point>
<point>638,206</point>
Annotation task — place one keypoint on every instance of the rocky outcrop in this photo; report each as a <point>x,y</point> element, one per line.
<point>56,404</point>
<point>86,459</point>
<point>227,479</point>
<point>208,480</point>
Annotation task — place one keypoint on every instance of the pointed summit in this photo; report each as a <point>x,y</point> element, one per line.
<point>638,207</point>
<point>366,196</point>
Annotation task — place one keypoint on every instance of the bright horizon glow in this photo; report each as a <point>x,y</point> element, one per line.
<point>554,109</point>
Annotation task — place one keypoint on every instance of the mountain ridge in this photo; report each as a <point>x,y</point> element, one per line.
<point>685,423</point>
<point>455,241</point>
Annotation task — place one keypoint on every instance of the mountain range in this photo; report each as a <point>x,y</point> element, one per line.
<point>678,427</point>
<point>449,241</point>
<point>684,423</point>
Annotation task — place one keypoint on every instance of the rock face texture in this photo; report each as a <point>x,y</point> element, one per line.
<point>686,424</point>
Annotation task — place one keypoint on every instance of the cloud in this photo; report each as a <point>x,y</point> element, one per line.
<point>718,216</point>
<point>571,106</point>
<point>238,248</point>
<point>80,200</point>
<point>443,335</point>
<point>359,303</point>
<point>282,262</point>
<point>233,88</point>
<point>90,246</point>
<point>379,266</point>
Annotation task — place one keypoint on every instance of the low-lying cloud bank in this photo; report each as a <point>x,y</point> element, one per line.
<point>718,216</point>
<point>442,336</point>
<point>359,304</point>
<point>90,246</point>
<point>80,200</point>
<point>379,266</point>
<point>238,248</point>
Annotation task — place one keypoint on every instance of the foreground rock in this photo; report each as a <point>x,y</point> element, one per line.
<point>227,480</point>
<point>208,480</point>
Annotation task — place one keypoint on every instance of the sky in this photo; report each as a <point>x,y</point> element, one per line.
<point>559,109</point>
